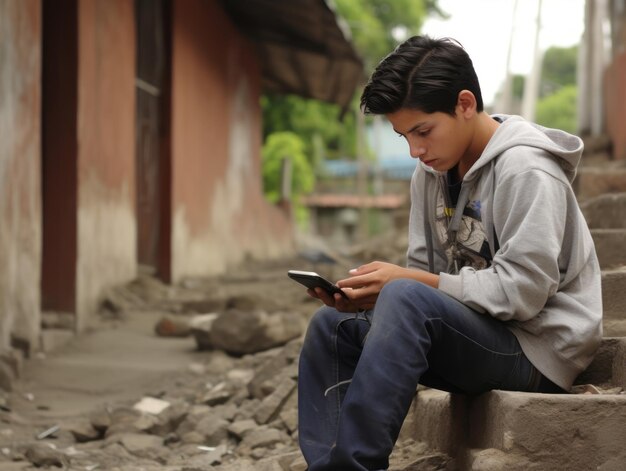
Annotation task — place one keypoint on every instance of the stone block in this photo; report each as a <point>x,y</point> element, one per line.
<point>614,294</point>
<point>606,211</point>
<point>552,431</point>
<point>608,368</point>
<point>610,247</point>
<point>542,431</point>
<point>597,180</point>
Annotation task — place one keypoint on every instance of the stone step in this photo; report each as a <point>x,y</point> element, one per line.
<point>614,302</point>
<point>529,431</point>
<point>610,247</point>
<point>601,179</point>
<point>605,211</point>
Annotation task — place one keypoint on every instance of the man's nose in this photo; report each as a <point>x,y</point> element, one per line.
<point>417,150</point>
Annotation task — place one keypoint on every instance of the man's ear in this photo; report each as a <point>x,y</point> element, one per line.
<point>466,103</point>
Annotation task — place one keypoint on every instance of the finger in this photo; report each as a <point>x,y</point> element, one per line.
<point>325,297</point>
<point>357,281</point>
<point>364,269</point>
<point>344,305</point>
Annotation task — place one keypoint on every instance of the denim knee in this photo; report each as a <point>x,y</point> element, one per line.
<point>321,324</point>
<point>405,290</point>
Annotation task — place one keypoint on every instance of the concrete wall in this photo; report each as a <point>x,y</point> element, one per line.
<point>218,212</point>
<point>20,138</point>
<point>106,222</point>
<point>615,103</point>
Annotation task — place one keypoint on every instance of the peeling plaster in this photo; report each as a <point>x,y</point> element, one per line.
<point>241,222</point>
<point>107,251</point>
<point>20,179</point>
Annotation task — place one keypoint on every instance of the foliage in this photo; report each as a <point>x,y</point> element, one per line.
<point>311,120</point>
<point>559,109</point>
<point>374,23</point>
<point>559,69</point>
<point>285,145</point>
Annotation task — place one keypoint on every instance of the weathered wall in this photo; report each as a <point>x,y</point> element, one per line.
<point>615,102</point>
<point>218,212</point>
<point>106,150</point>
<point>20,207</point>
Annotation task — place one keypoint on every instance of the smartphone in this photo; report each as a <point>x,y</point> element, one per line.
<point>310,279</point>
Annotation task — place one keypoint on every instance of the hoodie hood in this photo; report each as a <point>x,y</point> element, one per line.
<point>516,131</point>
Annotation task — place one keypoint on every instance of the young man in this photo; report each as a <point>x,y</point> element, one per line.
<point>502,287</point>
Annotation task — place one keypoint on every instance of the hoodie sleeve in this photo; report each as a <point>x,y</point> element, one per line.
<point>529,212</point>
<point>417,254</point>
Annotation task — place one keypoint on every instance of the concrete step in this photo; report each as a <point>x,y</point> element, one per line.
<point>610,247</point>
<point>597,180</point>
<point>614,302</point>
<point>605,211</point>
<point>528,431</point>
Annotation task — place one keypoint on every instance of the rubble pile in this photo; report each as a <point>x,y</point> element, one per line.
<point>236,409</point>
<point>232,413</point>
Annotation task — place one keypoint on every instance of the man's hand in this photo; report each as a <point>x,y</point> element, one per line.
<point>365,283</point>
<point>342,304</point>
<point>368,280</point>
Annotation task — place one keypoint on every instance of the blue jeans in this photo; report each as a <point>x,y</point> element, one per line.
<point>359,373</point>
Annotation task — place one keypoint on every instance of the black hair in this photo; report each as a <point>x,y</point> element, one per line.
<point>422,73</point>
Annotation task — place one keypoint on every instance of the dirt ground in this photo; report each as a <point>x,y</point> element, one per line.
<point>78,407</point>
<point>121,359</point>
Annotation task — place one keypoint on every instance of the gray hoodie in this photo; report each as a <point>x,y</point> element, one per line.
<point>516,246</point>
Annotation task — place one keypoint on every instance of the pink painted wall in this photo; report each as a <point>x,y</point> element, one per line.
<point>106,252</point>
<point>615,100</point>
<point>218,212</point>
<point>20,170</point>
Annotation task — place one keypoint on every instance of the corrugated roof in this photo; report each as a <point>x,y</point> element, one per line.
<point>303,47</point>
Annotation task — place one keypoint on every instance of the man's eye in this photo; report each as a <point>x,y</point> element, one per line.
<point>424,133</point>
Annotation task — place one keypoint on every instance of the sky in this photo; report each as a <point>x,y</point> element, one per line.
<point>484,27</point>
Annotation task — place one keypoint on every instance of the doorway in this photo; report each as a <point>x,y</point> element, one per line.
<point>152,136</point>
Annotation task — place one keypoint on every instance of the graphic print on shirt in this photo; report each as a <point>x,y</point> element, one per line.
<point>472,246</point>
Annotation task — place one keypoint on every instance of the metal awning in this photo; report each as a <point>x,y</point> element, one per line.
<point>302,46</point>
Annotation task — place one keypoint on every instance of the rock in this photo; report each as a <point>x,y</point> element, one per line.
<point>43,455</point>
<point>240,428</point>
<point>200,327</point>
<point>214,430</point>
<point>242,332</point>
<point>151,405</point>
<point>172,327</point>
<point>83,431</point>
<point>492,459</point>
<point>262,437</point>
<point>298,465</point>
<point>219,394</point>
<point>139,444</point>
<point>264,381</point>
<point>270,407</point>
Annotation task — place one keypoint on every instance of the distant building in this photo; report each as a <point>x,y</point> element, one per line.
<point>338,210</point>
<point>130,136</point>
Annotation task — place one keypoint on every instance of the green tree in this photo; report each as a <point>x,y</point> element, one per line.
<point>285,145</point>
<point>559,109</point>
<point>374,25</point>
<point>559,69</point>
<point>378,25</point>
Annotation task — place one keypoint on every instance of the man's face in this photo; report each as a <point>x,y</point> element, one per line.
<point>438,139</point>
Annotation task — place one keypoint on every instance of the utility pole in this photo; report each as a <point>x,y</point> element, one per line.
<point>505,102</point>
<point>531,85</point>
<point>361,174</point>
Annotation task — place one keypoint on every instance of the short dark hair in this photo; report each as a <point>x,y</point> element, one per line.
<point>422,73</point>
